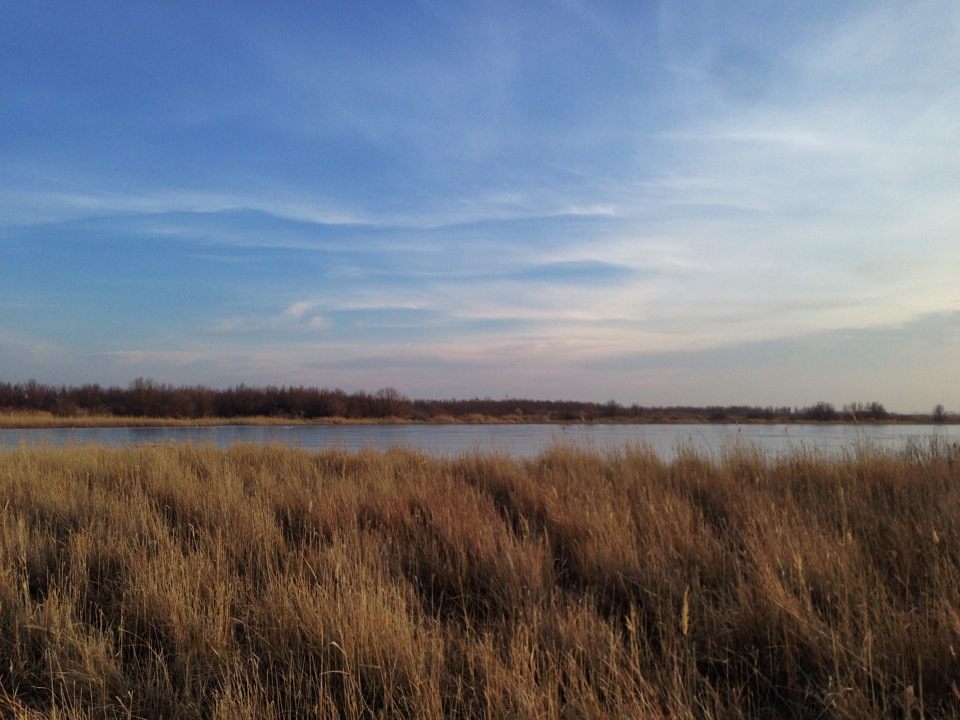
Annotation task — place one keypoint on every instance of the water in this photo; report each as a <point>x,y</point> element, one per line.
<point>516,440</point>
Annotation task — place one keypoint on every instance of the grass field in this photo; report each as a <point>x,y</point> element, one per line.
<point>266,582</point>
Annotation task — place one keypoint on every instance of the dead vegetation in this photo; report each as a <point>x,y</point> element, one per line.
<point>267,582</point>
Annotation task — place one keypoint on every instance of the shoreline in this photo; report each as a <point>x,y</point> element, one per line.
<point>34,421</point>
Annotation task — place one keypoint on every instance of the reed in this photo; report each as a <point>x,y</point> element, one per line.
<point>267,582</point>
<point>29,420</point>
<point>45,420</point>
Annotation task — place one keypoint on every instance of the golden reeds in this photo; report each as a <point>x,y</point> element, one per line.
<point>268,582</point>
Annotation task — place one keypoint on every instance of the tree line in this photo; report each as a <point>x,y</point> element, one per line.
<point>147,398</point>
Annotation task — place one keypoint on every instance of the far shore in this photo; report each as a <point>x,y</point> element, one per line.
<point>35,420</point>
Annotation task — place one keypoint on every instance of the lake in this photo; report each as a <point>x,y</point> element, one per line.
<point>516,440</point>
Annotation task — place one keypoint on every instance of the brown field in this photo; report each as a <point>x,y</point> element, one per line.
<point>266,582</point>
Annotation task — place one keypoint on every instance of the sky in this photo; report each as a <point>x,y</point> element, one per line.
<point>662,203</point>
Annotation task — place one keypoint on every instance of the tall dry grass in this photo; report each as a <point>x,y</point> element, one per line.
<point>42,420</point>
<point>265,582</point>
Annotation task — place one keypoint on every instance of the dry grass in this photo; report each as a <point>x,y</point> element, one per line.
<point>267,582</point>
<point>33,420</point>
<point>28,420</point>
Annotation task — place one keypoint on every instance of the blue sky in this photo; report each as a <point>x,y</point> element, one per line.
<point>658,202</point>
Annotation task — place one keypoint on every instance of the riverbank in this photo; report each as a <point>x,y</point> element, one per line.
<point>186,581</point>
<point>31,420</point>
<point>37,420</point>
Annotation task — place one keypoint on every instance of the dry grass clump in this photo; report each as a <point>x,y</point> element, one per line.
<point>268,582</point>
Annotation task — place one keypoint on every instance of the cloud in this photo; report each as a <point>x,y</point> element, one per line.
<point>863,364</point>
<point>446,187</point>
<point>299,309</point>
<point>37,203</point>
<point>295,320</point>
<point>175,358</point>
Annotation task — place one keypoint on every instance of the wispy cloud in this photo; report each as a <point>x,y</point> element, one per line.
<point>467,201</point>
<point>297,319</point>
<point>177,358</point>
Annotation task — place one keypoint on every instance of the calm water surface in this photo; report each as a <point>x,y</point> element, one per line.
<point>515,440</point>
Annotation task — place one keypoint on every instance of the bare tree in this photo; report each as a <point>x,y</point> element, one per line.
<point>939,413</point>
<point>390,402</point>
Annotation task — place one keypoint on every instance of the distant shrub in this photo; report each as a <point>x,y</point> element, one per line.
<point>822,412</point>
<point>939,414</point>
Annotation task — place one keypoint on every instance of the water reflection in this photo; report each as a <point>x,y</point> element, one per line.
<point>514,440</point>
